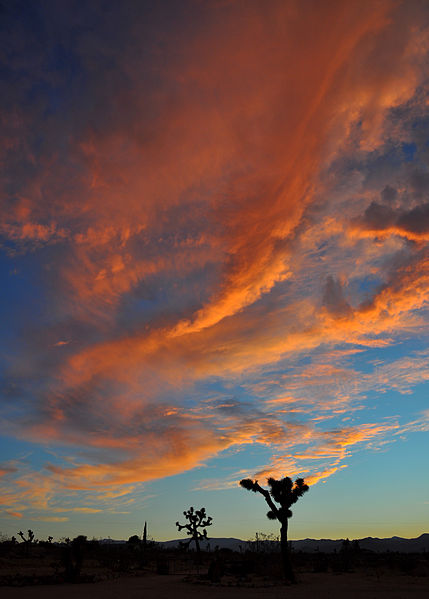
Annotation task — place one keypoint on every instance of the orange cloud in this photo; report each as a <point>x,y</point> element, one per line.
<point>323,474</point>
<point>331,446</point>
<point>13,514</point>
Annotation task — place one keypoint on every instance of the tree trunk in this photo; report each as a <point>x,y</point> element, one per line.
<point>287,566</point>
<point>198,559</point>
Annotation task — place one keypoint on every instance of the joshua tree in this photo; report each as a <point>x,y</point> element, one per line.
<point>30,537</point>
<point>27,541</point>
<point>73,557</point>
<point>196,519</point>
<point>284,492</point>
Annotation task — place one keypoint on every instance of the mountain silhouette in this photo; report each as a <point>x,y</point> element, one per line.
<point>418,545</point>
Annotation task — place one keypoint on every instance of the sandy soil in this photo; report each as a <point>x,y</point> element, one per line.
<point>317,586</point>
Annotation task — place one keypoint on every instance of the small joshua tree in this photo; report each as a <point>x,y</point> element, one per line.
<point>27,541</point>
<point>284,492</point>
<point>197,519</point>
<point>30,536</point>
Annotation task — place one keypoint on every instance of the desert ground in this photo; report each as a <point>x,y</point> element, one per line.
<point>152,586</point>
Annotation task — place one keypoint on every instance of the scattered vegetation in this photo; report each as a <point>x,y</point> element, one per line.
<point>257,563</point>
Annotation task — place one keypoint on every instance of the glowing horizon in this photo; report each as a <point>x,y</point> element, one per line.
<point>214,259</point>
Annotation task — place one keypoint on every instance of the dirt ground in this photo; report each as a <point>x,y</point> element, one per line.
<point>317,586</point>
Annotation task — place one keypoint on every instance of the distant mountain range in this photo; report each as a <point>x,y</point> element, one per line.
<point>420,544</point>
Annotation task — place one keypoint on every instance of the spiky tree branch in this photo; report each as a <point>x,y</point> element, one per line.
<point>250,485</point>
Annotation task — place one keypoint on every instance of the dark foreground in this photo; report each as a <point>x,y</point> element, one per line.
<point>315,585</point>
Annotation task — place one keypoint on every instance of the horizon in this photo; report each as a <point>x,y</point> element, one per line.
<point>269,538</point>
<point>214,265</point>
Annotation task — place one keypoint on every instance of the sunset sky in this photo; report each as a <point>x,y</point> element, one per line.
<point>214,262</point>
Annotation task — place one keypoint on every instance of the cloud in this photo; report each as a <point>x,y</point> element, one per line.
<point>4,470</point>
<point>60,343</point>
<point>50,518</point>
<point>12,514</point>
<point>421,424</point>
<point>413,223</point>
<point>204,203</point>
<point>333,298</point>
<point>329,447</point>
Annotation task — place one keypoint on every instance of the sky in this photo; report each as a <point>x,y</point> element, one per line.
<point>214,264</point>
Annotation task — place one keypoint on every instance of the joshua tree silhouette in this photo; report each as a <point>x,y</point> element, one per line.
<point>30,537</point>
<point>27,541</point>
<point>196,519</point>
<point>284,492</point>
